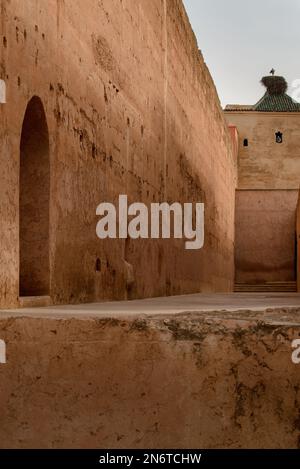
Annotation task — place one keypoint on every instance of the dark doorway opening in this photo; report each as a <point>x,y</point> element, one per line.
<point>34,202</point>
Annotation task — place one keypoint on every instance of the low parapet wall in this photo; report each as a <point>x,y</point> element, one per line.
<point>209,380</point>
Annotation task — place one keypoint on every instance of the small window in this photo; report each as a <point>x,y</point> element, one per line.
<point>279,137</point>
<point>246,143</point>
<point>98,265</point>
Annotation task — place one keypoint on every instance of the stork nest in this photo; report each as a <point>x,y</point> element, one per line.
<point>275,85</point>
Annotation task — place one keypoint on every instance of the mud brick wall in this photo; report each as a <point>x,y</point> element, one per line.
<point>298,242</point>
<point>209,380</point>
<point>265,236</point>
<point>265,164</point>
<point>131,109</point>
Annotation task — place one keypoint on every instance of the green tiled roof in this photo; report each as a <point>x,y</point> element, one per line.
<point>277,103</point>
<point>274,100</point>
<point>238,107</point>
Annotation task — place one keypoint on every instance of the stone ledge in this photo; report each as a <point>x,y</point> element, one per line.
<point>211,379</point>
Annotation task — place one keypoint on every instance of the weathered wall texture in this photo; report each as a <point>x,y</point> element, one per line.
<point>235,138</point>
<point>265,164</point>
<point>298,242</point>
<point>265,236</point>
<point>216,380</point>
<point>131,108</point>
<point>265,219</point>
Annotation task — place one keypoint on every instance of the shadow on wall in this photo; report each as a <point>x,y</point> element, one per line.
<point>34,202</point>
<point>298,242</point>
<point>265,236</point>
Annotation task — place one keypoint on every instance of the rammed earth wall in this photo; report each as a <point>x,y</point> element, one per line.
<point>131,109</point>
<point>193,380</point>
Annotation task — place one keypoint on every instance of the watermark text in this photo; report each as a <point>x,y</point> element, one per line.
<point>180,221</point>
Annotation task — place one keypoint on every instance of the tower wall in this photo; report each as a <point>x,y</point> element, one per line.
<point>266,200</point>
<point>265,164</point>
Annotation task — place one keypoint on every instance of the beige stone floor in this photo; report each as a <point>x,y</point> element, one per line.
<point>243,303</point>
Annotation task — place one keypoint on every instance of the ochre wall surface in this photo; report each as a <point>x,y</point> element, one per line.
<point>265,236</point>
<point>265,219</point>
<point>210,380</point>
<point>131,109</point>
<point>298,243</point>
<point>265,164</point>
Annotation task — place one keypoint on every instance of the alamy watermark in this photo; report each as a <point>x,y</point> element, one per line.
<point>2,352</point>
<point>2,92</point>
<point>296,352</point>
<point>136,222</point>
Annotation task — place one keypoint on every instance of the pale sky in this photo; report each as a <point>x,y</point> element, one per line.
<point>242,40</point>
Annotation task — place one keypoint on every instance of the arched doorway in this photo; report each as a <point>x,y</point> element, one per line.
<point>34,202</point>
